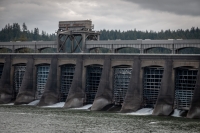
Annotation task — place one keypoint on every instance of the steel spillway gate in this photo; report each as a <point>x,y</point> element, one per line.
<point>185,81</point>
<point>92,82</point>
<point>42,75</point>
<point>18,77</point>
<point>67,73</point>
<point>1,69</point>
<point>151,85</point>
<point>121,81</point>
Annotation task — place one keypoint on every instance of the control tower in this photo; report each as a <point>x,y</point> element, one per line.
<point>77,32</point>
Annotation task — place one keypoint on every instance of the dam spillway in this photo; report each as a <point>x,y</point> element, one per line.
<point>149,84</point>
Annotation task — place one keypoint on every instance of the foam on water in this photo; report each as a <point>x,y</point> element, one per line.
<point>176,113</point>
<point>57,105</point>
<point>143,111</point>
<point>34,103</point>
<point>84,107</point>
<point>8,104</point>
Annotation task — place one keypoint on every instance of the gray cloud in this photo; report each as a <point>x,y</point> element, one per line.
<point>181,7</point>
<point>105,14</point>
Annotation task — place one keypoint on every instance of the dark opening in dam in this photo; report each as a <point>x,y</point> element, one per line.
<point>42,75</point>
<point>18,77</point>
<point>67,73</point>
<point>93,77</point>
<point>122,75</point>
<point>151,85</point>
<point>185,81</point>
<point>1,69</point>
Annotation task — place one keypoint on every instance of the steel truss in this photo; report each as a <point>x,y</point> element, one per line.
<point>77,40</point>
<point>151,85</point>
<point>67,73</point>
<point>185,81</point>
<point>1,69</point>
<point>121,81</point>
<point>92,82</point>
<point>18,77</point>
<point>42,75</point>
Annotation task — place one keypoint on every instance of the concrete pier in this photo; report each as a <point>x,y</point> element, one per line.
<point>194,111</point>
<point>6,88</point>
<point>165,100</point>
<point>104,94</point>
<point>76,95</point>
<point>27,92</point>
<point>133,100</point>
<point>50,95</point>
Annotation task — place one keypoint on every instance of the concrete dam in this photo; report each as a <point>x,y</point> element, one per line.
<point>164,82</point>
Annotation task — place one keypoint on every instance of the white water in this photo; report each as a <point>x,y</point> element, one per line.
<point>143,111</point>
<point>8,104</point>
<point>84,107</point>
<point>57,105</point>
<point>176,113</point>
<point>34,103</point>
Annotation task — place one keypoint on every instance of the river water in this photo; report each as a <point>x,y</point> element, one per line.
<point>31,119</point>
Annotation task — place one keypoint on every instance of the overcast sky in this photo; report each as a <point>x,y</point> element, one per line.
<point>106,14</point>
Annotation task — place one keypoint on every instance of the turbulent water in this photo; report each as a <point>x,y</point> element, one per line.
<point>29,119</point>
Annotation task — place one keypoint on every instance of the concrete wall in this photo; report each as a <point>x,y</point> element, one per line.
<point>77,97</point>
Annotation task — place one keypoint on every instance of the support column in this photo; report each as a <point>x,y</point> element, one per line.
<point>83,43</point>
<point>26,92</point>
<point>141,49</point>
<point>112,49</point>
<point>134,97</point>
<point>6,89</point>
<point>165,100</point>
<point>13,48</point>
<point>104,93</point>
<point>72,45</point>
<point>51,92</point>
<point>58,42</point>
<point>173,50</point>
<point>76,95</point>
<point>35,50</point>
<point>194,111</point>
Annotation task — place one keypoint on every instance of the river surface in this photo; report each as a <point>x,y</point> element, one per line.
<point>30,119</point>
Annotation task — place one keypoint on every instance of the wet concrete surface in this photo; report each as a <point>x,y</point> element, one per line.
<point>28,119</point>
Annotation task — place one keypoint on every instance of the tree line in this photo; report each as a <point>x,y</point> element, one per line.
<point>14,32</point>
<point>193,33</point>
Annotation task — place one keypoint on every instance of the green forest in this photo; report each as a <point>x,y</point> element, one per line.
<point>15,32</point>
<point>193,33</point>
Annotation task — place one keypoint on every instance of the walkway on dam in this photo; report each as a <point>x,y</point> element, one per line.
<point>113,46</point>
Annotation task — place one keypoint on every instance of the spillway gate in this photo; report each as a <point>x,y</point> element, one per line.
<point>42,75</point>
<point>185,81</point>
<point>67,73</point>
<point>122,77</point>
<point>18,77</point>
<point>93,77</point>
<point>151,85</point>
